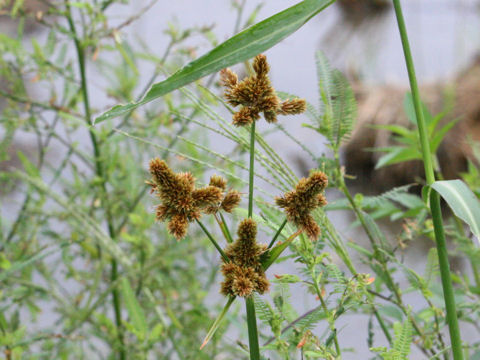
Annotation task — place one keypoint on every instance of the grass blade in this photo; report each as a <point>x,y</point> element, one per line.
<point>217,322</point>
<point>135,311</point>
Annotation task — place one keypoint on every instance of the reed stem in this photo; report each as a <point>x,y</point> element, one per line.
<point>250,305</point>
<point>435,209</point>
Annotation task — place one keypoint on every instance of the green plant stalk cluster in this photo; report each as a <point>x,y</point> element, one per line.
<point>434,196</point>
<point>250,305</point>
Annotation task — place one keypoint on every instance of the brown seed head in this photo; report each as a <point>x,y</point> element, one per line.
<point>177,226</point>
<point>256,95</point>
<point>245,116</point>
<point>262,285</point>
<point>306,197</point>
<point>181,202</point>
<point>260,66</point>
<point>207,196</point>
<point>244,273</point>
<point>228,78</point>
<point>231,201</point>
<point>218,181</point>
<point>292,107</point>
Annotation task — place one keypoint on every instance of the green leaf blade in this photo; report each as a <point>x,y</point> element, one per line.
<point>135,311</point>
<point>462,201</point>
<point>239,48</point>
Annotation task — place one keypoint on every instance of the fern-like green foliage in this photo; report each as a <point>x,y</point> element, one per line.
<point>338,107</point>
<point>401,344</point>
<point>407,137</point>
<point>403,339</point>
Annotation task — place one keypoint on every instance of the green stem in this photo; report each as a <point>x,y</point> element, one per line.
<point>279,231</point>
<point>250,305</point>
<point>210,237</point>
<point>382,324</point>
<point>252,329</point>
<point>251,170</point>
<point>331,319</point>
<point>99,172</point>
<point>223,226</point>
<point>434,197</point>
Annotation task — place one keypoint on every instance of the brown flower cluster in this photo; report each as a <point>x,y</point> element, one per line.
<point>256,95</point>
<point>306,197</point>
<point>181,202</point>
<point>244,273</point>
<point>229,202</point>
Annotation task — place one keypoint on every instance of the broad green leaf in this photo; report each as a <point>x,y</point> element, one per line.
<point>241,47</point>
<point>135,311</point>
<point>462,201</point>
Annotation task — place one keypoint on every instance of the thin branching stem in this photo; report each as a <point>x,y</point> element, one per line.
<point>223,227</point>
<point>435,209</point>
<point>279,231</point>
<point>99,172</point>
<point>331,319</point>
<point>213,241</point>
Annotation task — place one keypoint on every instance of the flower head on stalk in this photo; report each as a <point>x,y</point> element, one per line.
<point>256,95</point>
<point>181,202</point>
<point>244,273</point>
<point>300,202</point>
<point>231,199</point>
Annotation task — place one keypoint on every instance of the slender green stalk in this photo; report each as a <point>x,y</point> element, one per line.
<point>210,237</point>
<point>223,226</point>
<point>331,319</point>
<point>250,305</point>
<point>251,170</point>
<point>434,196</point>
<point>252,329</point>
<point>100,173</point>
<point>279,231</point>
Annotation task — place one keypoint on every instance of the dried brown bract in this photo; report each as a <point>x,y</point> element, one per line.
<point>181,202</point>
<point>306,197</point>
<point>244,273</point>
<point>256,95</point>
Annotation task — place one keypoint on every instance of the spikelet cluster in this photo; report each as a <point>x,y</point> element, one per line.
<point>181,202</point>
<point>230,200</point>
<point>256,95</point>
<point>300,202</point>
<point>244,273</point>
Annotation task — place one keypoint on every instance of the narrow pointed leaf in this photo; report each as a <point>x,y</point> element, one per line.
<point>241,47</point>
<point>276,251</point>
<point>397,155</point>
<point>462,201</point>
<point>135,311</point>
<point>217,322</point>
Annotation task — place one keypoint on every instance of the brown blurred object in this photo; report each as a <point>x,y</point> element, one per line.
<point>384,105</point>
<point>32,9</point>
<point>357,9</point>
